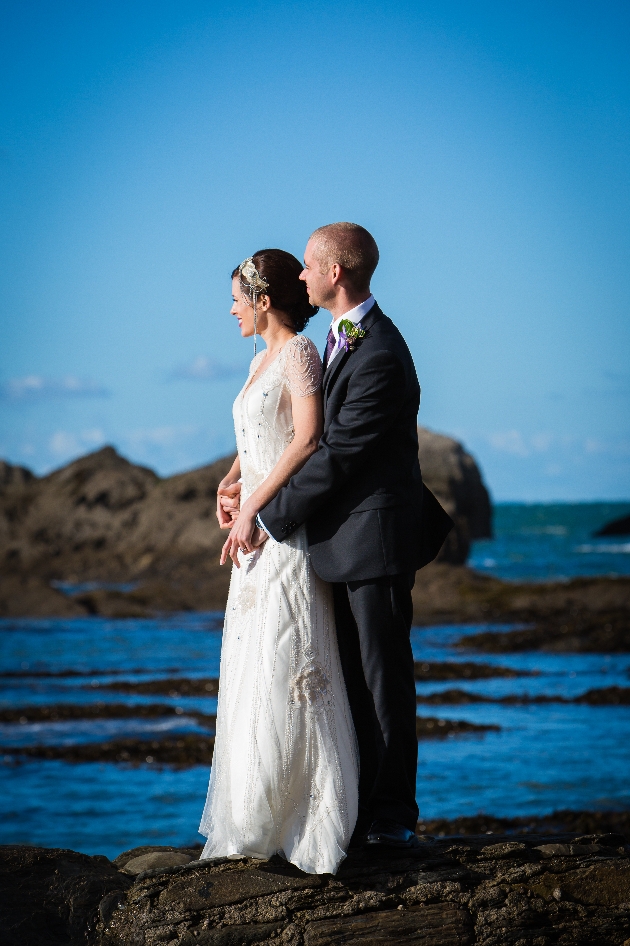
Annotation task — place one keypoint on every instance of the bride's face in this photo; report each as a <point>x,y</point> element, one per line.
<point>242,309</point>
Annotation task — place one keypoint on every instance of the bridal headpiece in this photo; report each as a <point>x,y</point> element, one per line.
<point>253,285</point>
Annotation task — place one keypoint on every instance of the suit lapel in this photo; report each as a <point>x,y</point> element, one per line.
<point>335,366</point>
<point>332,371</point>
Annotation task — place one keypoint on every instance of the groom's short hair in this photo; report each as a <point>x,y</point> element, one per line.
<point>350,245</point>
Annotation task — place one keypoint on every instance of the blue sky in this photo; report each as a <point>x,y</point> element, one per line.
<point>147,148</point>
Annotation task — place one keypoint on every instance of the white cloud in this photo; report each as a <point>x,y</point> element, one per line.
<point>510,441</point>
<point>594,445</point>
<point>63,443</point>
<point>34,387</point>
<point>203,368</point>
<point>541,442</point>
<point>521,445</point>
<point>93,435</point>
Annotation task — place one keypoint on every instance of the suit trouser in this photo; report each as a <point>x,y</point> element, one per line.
<point>373,620</point>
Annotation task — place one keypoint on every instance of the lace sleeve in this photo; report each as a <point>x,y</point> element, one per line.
<point>303,366</point>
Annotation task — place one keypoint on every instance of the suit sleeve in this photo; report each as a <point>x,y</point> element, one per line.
<point>374,398</point>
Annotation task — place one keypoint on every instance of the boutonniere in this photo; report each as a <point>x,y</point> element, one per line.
<point>350,334</point>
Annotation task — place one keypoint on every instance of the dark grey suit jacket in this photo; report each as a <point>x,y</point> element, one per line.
<point>361,494</point>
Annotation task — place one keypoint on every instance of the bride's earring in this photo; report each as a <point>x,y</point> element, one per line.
<point>256,284</point>
<point>255,324</point>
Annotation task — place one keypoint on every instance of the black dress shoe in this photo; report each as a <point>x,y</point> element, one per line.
<point>384,833</point>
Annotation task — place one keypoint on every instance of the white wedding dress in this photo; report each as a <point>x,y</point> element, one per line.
<point>284,774</point>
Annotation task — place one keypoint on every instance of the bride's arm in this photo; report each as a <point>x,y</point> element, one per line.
<point>308,425</point>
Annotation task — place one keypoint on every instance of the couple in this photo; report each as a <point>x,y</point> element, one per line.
<point>316,726</point>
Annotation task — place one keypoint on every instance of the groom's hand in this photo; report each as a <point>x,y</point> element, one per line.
<point>259,537</point>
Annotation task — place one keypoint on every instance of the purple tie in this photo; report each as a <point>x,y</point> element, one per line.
<point>330,344</point>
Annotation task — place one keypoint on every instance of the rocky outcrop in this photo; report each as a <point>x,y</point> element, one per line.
<point>605,632</point>
<point>52,897</point>
<point>103,519</point>
<point>586,614</point>
<point>615,527</point>
<point>528,890</point>
<point>454,477</point>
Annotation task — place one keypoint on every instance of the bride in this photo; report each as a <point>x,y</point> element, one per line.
<point>284,774</point>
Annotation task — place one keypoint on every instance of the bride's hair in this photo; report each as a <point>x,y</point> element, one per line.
<point>286,290</point>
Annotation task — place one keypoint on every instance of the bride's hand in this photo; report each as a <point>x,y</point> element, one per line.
<point>228,502</point>
<point>240,537</point>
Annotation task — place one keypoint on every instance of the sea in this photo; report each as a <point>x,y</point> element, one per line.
<point>543,757</point>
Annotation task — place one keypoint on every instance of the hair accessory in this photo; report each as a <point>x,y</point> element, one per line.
<point>255,284</point>
<point>252,277</point>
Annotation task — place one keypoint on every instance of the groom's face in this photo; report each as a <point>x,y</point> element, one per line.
<point>319,285</point>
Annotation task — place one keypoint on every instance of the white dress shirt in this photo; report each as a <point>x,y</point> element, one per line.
<point>354,315</point>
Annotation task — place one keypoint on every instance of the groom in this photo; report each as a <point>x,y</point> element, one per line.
<point>370,522</point>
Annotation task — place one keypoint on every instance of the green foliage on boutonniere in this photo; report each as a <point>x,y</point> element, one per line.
<point>350,334</point>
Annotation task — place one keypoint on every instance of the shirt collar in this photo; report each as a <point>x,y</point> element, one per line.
<point>354,315</point>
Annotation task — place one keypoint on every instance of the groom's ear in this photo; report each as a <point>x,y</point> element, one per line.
<point>336,272</point>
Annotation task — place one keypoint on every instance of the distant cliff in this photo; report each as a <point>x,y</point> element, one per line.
<point>103,519</point>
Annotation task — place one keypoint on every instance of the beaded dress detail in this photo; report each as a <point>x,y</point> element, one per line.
<point>284,773</point>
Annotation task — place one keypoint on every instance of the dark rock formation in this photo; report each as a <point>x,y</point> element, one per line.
<point>616,527</point>
<point>444,595</point>
<point>531,890</point>
<point>182,751</point>
<point>62,712</point>
<point>103,519</point>
<point>172,686</point>
<point>24,593</point>
<point>600,696</point>
<point>430,727</point>
<point>565,821</point>
<point>606,632</point>
<point>454,477</point>
<point>52,897</point>
<point>462,670</point>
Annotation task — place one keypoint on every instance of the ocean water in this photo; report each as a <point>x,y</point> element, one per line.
<point>541,542</point>
<point>543,757</point>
